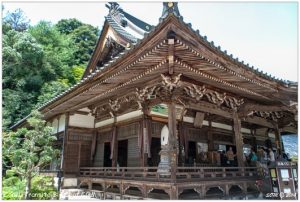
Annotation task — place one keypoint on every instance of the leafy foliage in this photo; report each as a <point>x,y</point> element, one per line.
<point>16,20</point>
<point>67,26</point>
<point>84,38</point>
<point>13,188</point>
<point>51,89</point>
<point>30,149</point>
<point>42,188</point>
<point>40,61</point>
<point>83,35</point>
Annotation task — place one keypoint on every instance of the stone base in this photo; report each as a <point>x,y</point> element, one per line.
<point>167,159</point>
<point>70,182</point>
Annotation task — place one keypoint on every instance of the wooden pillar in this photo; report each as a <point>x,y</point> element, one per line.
<point>145,191</point>
<point>186,145</point>
<point>172,124</point>
<point>114,144</point>
<point>65,143</point>
<point>141,143</point>
<point>238,139</point>
<point>210,138</point>
<point>78,160</point>
<point>145,133</point>
<point>182,153</point>
<point>145,140</point>
<point>173,192</point>
<point>253,139</point>
<point>277,137</point>
<point>90,187</point>
<point>172,138</point>
<point>93,146</point>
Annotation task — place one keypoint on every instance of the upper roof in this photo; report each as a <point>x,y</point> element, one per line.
<point>117,21</point>
<point>122,28</point>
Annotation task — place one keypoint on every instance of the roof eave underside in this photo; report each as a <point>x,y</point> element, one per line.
<point>116,62</point>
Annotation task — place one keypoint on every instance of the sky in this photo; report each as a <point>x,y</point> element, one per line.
<point>264,35</point>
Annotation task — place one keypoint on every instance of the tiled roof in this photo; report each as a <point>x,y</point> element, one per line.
<point>136,43</point>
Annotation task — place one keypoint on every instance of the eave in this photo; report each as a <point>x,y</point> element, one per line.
<point>99,78</point>
<point>153,44</point>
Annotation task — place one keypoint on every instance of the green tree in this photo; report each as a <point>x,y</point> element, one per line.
<point>13,187</point>
<point>51,89</point>
<point>24,72</point>
<point>59,48</point>
<point>85,38</point>
<point>67,26</point>
<point>17,20</point>
<point>30,149</point>
<point>40,62</point>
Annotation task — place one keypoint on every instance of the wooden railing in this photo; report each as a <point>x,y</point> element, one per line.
<point>182,173</point>
<point>121,172</point>
<point>214,172</point>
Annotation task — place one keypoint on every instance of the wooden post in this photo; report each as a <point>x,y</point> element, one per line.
<point>65,143</point>
<point>93,146</point>
<point>210,138</point>
<point>186,145</point>
<point>238,139</point>
<point>181,144</point>
<point>172,138</point>
<point>79,153</point>
<point>145,138</point>
<point>114,144</point>
<point>173,192</point>
<point>172,124</point>
<point>277,137</point>
<point>253,139</point>
<point>141,143</point>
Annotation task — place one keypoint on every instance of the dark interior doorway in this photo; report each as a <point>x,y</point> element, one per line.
<point>192,152</point>
<point>107,160</point>
<point>122,153</point>
<point>155,149</point>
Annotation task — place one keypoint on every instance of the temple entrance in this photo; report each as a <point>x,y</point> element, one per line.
<point>107,160</point>
<point>122,153</point>
<point>155,149</point>
<point>192,152</point>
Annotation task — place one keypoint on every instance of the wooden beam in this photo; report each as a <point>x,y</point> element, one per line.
<point>81,112</point>
<point>205,107</point>
<point>289,129</point>
<point>258,121</point>
<point>245,109</point>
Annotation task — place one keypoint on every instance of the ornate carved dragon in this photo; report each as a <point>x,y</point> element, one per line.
<point>233,103</point>
<point>170,83</point>
<point>216,97</point>
<point>195,92</point>
<point>114,105</point>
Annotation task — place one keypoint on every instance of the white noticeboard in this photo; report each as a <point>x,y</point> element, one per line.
<point>285,174</point>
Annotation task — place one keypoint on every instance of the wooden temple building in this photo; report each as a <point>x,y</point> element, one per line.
<point>143,78</point>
